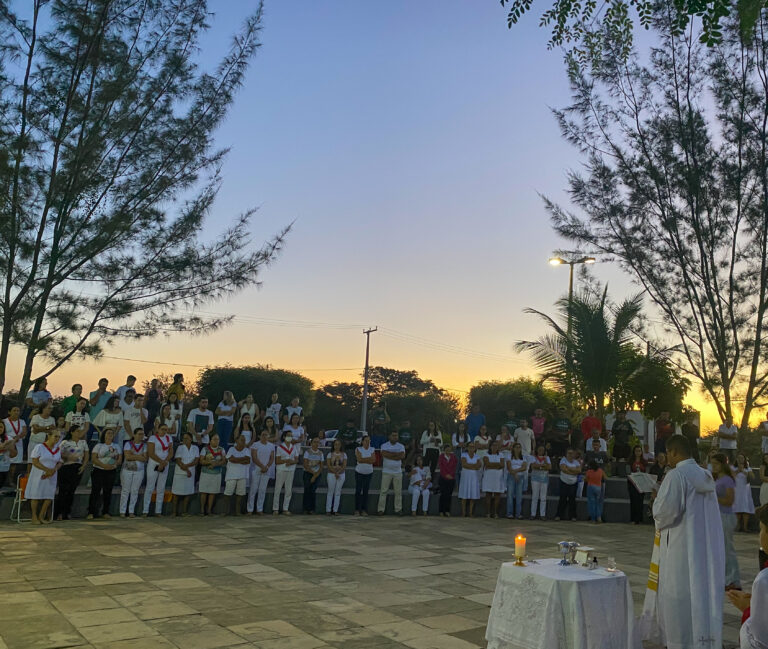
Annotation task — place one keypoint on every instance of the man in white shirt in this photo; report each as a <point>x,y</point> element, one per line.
<point>200,422</point>
<point>126,400</point>
<point>130,382</point>
<point>135,416</point>
<point>728,434</point>
<point>596,438</point>
<point>525,437</point>
<point>392,453</point>
<point>684,600</point>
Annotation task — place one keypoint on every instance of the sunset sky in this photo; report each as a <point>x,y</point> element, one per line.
<point>409,142</point>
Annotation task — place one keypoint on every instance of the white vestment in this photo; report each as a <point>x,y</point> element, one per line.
<point>687,611</point>
<point>754,632</point>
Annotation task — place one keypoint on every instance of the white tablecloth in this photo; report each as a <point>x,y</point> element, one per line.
<point>546,606</point>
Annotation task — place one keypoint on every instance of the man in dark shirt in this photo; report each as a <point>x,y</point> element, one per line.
<point>691,431</point>
<point>622,431</point>
<point>594,454</point>
<point>560,434</point>
<point>405,437</point>
<point>474,420</point>
<point>348,437</point>
<point>513,421</point>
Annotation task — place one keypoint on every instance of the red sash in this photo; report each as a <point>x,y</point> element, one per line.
<point>15,428</point>
<point>137,449</point>
<point>290,452</point>
<point>163,446</point>
<point>53,452</point>
<point>215,453</point>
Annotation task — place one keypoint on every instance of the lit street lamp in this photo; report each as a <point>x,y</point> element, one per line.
<point>559,261</point>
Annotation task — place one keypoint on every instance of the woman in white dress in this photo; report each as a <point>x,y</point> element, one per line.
<point>743,504</point>
<point>469,484</point>
<point>186,458</point>
<point>419,485</point>
<point>41,486</point>
<point>212,460</point>
<point>764,480</point>
<point>493,480</point>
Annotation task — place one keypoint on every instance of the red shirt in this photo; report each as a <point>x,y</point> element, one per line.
<point>588,424</point>
<point>595,478</point>
<point>447,466</point>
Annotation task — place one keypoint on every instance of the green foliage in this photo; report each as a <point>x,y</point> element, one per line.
<point>653,387</point>
<point>335,403</point>
<point>406,394</point>
<point>597,356</point>
<point>438,406</point>
<point>108,171</point>
<point>589,25</point>
<point>260,381</point>
<point>522,395</point>
<point>674,189</point>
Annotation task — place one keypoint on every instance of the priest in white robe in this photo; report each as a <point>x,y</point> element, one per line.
<point>684,607</point>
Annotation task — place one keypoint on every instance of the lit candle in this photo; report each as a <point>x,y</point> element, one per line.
<point>520,546</point>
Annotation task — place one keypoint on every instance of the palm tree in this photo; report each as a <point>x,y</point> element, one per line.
<point>600,347</point>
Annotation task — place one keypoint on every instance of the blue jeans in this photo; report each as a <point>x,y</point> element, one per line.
<point>224,429</point>
<point>515,495</point>
<point>594,502</point>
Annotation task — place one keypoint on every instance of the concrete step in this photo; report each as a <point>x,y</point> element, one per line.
<point>615,510</point>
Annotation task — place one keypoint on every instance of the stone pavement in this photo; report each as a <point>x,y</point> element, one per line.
<point>281,583</point>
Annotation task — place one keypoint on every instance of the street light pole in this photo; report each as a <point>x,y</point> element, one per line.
<point>364,416</point>
<point>558,261</point>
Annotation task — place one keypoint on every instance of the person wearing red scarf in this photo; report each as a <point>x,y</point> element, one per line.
<point>41,486</point>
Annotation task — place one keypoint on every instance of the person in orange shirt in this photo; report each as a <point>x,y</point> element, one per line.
<point>595,479</point>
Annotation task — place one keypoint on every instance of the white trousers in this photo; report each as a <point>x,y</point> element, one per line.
<point>155,481</point>
<point>417,492</point>
<point>333,499</point>
<point>539,496</point>
<point>283,480</point>
<point>395,480</point>
<point>130,482</point>
<point>258,487</point>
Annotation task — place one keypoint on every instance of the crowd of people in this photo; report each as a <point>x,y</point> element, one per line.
<point>238,448</point>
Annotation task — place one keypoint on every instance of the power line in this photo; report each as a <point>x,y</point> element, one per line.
<point>297,369</point>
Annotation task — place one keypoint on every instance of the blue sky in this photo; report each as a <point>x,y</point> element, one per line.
<point>408,141</point>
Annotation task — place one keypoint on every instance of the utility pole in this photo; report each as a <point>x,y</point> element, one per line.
<point>557,261</point>
<point>364,416</point>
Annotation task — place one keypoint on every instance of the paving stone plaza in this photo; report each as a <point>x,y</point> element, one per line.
<point>297,582</point>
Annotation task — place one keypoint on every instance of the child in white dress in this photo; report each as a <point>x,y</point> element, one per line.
<point>469,483</point>
<point>420,484</point>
